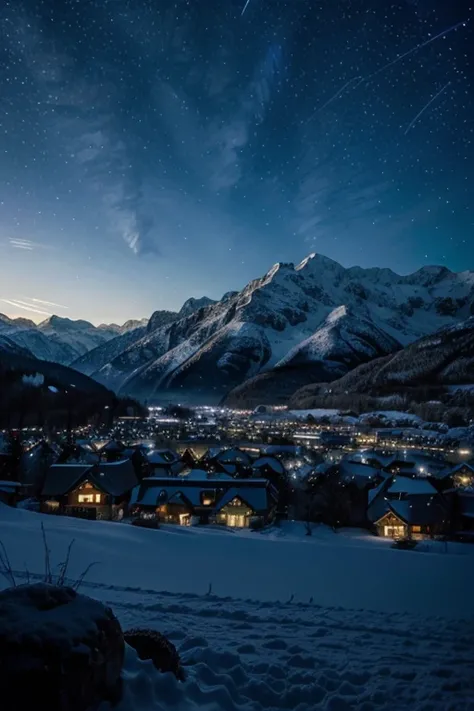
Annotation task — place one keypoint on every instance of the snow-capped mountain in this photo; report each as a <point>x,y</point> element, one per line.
<point>217,347</point>
<point>444,359</point>
<point>342,342</point>
<point>57,339</point>
<point>192,305</point>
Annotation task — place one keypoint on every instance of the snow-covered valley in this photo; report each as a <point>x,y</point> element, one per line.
<point>277,620</point>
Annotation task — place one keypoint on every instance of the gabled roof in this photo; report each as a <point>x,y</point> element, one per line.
<point>61,478</point>
<point>463,465</point>
<point>271,462</point>
<point>112,446</point>
<point>232,456</point>
<point>163,457</point>
<point>408,485</point>
<point>115,478</point>
<point>420,512</point>
<point>256,499</point>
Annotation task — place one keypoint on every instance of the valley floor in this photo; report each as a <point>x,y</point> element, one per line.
<point>276,621</point>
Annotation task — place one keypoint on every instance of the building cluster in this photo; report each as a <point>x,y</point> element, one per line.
<point>313,474</point>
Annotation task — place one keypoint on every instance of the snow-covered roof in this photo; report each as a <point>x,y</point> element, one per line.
<point>164,457</point>
<point>115,478</point>
<point>61,478</point>
<point>349,470</point>
<point>271,462</point>
<point>408,485</point>
<point>232,456</point>
<point>256,498</point>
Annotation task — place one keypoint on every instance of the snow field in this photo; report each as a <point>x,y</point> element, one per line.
<point>328,622</point>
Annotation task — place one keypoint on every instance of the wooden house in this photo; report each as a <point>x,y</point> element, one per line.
<point>164,462</point>
<point>402,507</point>
<point>100,491</point>
<point>189,500</point>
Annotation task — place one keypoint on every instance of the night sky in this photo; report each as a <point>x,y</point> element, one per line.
<point>153,150</point>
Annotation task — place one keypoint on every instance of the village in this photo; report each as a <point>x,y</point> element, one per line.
<point>249,470</point>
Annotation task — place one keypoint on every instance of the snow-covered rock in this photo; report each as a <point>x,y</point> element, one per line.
<point>59,650</point>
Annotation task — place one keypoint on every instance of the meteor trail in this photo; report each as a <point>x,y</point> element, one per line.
<point>245,7</point>
<point>412,123</point>
<point>414,49</point>
<point>333,98</point>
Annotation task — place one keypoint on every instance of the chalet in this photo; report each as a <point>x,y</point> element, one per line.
<point>463,476</point>
<point>268,467</point>
<point>100,491</point>
<point>111,451</point>
<point>192,500</point>
<point>231,461</point>
<point>164,462</point>
<point>404,506</point>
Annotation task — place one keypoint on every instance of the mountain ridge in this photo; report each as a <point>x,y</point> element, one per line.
<point>214,349</point>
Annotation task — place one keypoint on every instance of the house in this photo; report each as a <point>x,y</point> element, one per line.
<point>268,467</point>
<point>111,451</point>
<point>191,500</point>
<point>231,461</point>
<point>463,476</point>
<point>99,491</point>
<point>164,462</point>
<point>404,506</point>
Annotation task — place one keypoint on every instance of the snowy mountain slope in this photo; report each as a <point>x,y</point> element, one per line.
<point>7,346</point>
<point>443,359</point>
<point>94,360</point>
<point>286,307</point>
<point>342,342</point>
<point>57,339</point>
<point>192,305</point>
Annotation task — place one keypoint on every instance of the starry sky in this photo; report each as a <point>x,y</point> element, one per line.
<point>153,150</point>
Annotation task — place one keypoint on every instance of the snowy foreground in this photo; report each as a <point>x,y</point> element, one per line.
<point>330,622</point>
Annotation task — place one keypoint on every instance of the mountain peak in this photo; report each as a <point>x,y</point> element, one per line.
<point>62,323</point>
<point>192,305</point>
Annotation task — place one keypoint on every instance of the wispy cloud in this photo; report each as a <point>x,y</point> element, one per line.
<point>48,303</point>
<point>16,303</point>
<point>83,114</point>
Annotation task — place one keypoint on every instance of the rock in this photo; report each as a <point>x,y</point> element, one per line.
<point>150,644</point>
<point>59,650</point>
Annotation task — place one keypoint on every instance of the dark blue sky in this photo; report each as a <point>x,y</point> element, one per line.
<point>156,150</point>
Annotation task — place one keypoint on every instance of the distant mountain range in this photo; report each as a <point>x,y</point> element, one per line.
<point>295,326</point>
<point>60,339</point>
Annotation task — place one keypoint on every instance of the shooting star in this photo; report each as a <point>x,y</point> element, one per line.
<point>415,49</point>
<point>336,95</point>
<point>245,7</point>
<point>419,114</point>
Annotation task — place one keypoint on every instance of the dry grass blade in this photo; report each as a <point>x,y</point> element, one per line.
<point>80,579</point>
<point>64,565</point>
<point>5,566</point>
<point>48,576</point>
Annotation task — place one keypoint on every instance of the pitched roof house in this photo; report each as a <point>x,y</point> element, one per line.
<point>403,506</point>
<point>232,502</point>
<point>91,491</point>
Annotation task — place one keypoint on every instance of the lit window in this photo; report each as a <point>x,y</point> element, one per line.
<point>97,498</point>
<point>416,529</point>
<point>86,498</point>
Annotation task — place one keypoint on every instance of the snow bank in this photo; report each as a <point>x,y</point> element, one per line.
<point>332,569</point>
